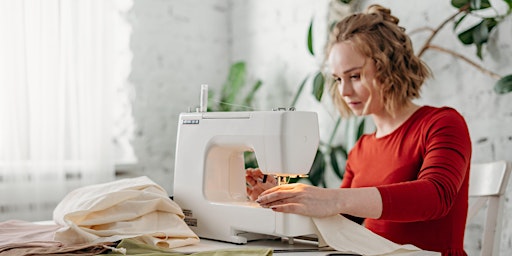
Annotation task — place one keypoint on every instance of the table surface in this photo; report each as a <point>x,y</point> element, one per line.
<point>280,247</point>
<point>283,248</point>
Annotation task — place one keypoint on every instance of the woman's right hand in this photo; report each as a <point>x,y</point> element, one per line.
<point>257,183</point>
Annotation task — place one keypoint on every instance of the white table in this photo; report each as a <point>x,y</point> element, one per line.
<point>282,248</point>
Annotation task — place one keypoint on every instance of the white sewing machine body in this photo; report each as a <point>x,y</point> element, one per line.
<point>209,174</point>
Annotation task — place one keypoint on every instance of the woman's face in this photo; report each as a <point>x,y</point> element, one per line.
<point>357,90</point>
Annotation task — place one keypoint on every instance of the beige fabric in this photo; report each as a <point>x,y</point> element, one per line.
<point>128,208</point>
<point>345,235</point>
<point>19,231</point>
<point>53,248</point>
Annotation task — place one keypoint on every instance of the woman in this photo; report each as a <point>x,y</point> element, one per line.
<point>409,179</point>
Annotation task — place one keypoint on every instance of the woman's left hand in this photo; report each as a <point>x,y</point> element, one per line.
<point>302,199</point>
<point>257,182</point>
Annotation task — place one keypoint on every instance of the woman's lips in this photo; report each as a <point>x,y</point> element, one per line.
<point>353,103</point>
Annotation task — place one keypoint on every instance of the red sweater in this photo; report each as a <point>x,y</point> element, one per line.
<point>421,171</point>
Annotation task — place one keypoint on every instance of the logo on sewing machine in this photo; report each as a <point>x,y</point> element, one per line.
<point>194,121</point>
<point>189,219</point>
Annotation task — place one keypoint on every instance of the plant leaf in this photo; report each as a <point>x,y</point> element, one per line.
<point>473,4</point>
<point>459,3</point>
<point>485,4</point>
<point>466,37</point>
<point>479,4</point>
<point>509,2</point>
<point>343,151</point>
<point>299,91</point>
<point>457,23</point>
<point>250,160</point>
<point>360,129</point>
<point>250,96</point>
<point>211,104</point>
<point>316,174</point>
<point>334,161</point>
<point>318,86</point>
<point>479,50</point>
<point>335,130</point>
<point>232,86</point>
<point>504,85</point>
<point>310,38</point>
<point>479,33</point>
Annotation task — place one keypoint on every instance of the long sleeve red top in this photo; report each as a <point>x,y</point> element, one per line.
<point>422,173</point>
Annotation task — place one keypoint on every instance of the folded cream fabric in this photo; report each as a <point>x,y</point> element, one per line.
<point>127,208</point>
<point>345,235</point>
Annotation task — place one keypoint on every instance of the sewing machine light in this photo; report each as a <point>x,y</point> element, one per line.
<point>285,179</point>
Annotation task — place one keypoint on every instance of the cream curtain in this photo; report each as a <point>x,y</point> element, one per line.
<point>59,64</point>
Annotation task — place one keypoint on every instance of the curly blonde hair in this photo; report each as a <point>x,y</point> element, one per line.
<point>376,35</point>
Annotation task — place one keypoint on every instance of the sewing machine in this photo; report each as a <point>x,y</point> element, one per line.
<point>209,174</point>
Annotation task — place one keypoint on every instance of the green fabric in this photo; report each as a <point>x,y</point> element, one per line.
<point>134,247</point>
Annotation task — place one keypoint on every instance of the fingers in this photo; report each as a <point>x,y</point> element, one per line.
<point>251,181</point>
<point>253,193</point>
<point>254,178</point>
<point>276,194</point>
<point>300,199</point>
<point>287,198</point>
<point>288,208</point>
<point>278,188</point>
<point>257,182</point>
<point>258,175</point>
<point>254,173</point>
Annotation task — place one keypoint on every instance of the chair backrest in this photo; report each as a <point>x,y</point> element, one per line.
<point>487,183</point>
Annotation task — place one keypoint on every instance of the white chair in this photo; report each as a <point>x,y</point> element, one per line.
<point>487,183</point>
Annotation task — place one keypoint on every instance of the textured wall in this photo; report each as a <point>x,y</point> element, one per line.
<point>177,45</point>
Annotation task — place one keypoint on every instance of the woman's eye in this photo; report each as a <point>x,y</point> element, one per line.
<point>355,77</point>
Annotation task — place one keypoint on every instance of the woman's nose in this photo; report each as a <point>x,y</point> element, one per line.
<point>345,88</point>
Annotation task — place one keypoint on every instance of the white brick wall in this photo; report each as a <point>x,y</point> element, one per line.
<point>178,45</point>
